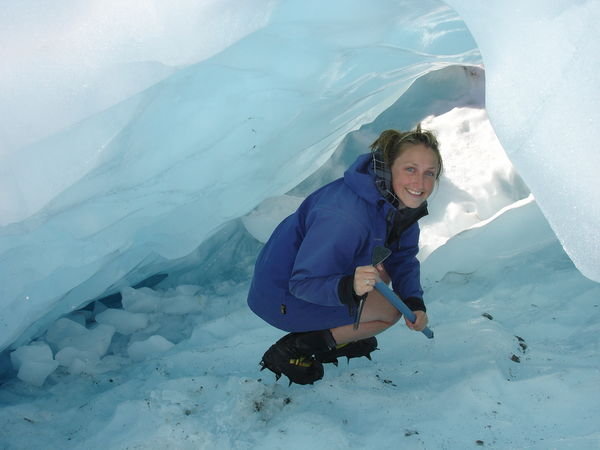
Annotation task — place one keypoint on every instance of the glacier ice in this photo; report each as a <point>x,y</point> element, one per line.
<point>120,192</point>
<point>542,99</point>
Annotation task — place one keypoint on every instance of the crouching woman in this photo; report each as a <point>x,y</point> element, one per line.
<point>316,268</point>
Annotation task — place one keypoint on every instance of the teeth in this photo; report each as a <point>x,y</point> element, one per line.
<point>410,191</point>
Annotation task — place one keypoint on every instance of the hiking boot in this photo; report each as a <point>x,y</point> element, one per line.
<point>292,356</point>
<point>355,349</point>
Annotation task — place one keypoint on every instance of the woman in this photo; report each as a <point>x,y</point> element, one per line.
<point>317,267</point>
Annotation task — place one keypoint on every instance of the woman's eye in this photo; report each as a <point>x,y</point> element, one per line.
<point>410,169</point>
<point>430,174</point>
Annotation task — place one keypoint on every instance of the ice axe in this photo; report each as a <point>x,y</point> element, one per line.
<point>380,254</point>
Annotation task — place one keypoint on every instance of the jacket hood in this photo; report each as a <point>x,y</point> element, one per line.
<point>361,179</point>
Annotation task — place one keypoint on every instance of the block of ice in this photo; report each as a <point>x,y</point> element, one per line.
<point>143,300</point>
<point>34,363</point>
<point>77,361</point>
<point>65,333</point>
<point>62,332</point>
<point>97,339</point>
<point>124,322</point>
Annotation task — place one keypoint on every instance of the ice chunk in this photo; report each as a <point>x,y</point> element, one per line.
<point>97,339</point>
<point>143,300</point>
<point>34,362</point>
<point>77,361</point>
<point>141,350</point>
<point>124,322</point>
<point>66,333</point>
<point>63,331</point>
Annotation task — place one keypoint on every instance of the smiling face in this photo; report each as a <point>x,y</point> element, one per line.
<point>414,173</point>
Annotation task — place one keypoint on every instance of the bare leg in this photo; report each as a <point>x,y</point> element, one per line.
<point>378,315</point>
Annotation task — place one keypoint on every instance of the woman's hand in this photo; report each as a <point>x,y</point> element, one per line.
<point>420,321</point>
<point>365,278</point>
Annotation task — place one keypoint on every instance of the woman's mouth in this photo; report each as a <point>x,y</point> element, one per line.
<point>415,193</point>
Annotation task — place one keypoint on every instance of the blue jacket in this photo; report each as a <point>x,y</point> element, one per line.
<point>335,229</point>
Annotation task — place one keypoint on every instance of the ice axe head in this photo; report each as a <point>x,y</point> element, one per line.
<point>380,254</point>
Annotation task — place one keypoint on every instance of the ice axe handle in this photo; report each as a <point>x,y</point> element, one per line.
<point>400,305</point>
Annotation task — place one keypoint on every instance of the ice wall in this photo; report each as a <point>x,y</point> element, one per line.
<point>113,198</point>
<point>542,97</point>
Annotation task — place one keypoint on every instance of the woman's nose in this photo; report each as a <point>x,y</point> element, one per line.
<point>420,181</point>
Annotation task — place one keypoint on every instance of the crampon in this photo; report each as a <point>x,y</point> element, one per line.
<point>356,349</point>
<point>300,369</point>
<point>300,356</point>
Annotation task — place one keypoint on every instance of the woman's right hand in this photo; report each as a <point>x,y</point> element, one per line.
<point>365,278</point>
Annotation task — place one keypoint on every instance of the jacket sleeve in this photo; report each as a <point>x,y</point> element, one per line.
<point>327,254</point>
<point>405,270</point>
